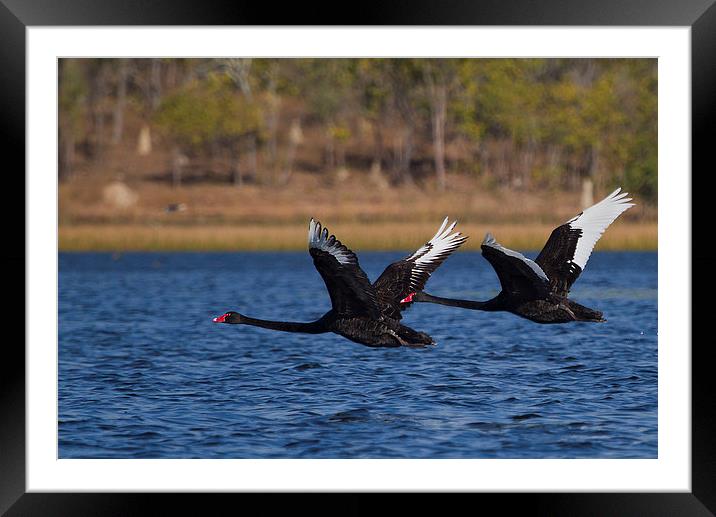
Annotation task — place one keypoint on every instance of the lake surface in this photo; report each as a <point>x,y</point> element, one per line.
<point>144,373</point>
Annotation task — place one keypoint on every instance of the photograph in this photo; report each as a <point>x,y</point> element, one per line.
<point>357,258</point>
<point>435,251</point>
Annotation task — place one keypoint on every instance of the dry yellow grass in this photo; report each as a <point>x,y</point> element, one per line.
<point>292,236</point>
<point>269,217</point>
<point>356,199</point>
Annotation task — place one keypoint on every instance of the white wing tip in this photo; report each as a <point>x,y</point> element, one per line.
<point>312,233</point>
<point>444,229</point>
<point>594,221</point>
<point>320,238</point>
<point>489,240</point>
<point>619,197</point>
<point>439,247</point>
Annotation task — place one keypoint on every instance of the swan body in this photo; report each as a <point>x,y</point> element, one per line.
<point>362,312</point>
<point>538,290</point>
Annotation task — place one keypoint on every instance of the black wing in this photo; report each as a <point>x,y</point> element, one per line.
<point>519,276</point>
<point>348,286</point>
<point>569,246</point>
<point>555,259</point>
<point>409,275</point>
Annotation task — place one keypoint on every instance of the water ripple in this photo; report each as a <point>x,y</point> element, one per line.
<point>143,373</point>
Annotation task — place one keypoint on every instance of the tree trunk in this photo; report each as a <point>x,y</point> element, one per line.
<point>273,139</point>
<point>340,151</point>
<point>330,155</point>
<point>97,111</point>
<point>238,177</point>
<point>65,131</point>
<point>121,101</point>
<point>503,168</point>
<point>67,154</point>
<point>295,137</point>
<point>155,89</point>
<point>594,164</point>
<point>238,174</point>
<point>144,142</point>
<point>272,120</point>
<point>171,74</point>
<point>403,156</point>
<point>439,109</point>
<point>554,164</point>
<point>587,193</point>
<point>484,155</point>
<point>177,165</point>
<point>528,155</point>
<point>377,143</point>
<point>218,155</point>
<point>288,169</point>
<point>406,168</point>
<point>272,124</point>
<point>435,77</point>
<point>239,70</point>
<point>253,161</point>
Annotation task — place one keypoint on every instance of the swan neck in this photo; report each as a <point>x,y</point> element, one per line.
<point>313,327</point>
<point>453,302</point>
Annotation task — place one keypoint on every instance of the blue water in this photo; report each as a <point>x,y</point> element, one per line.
<point>144,373</point>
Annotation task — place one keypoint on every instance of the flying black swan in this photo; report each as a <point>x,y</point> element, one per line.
<point>538,290</point>
<point>366,313</point>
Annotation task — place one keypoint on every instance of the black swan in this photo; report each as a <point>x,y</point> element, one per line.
<point>366,313</point>
<point>538,290</point>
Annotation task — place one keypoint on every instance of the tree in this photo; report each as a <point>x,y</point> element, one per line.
<point>239,70</point>
<point>441,79</point>
<point>148,77</point>
<point>332,98</point>
<point>519,122</point>
<point>403,75</point>
<point>72,93</point>
<point>121,99</point>
<point>209,112</point>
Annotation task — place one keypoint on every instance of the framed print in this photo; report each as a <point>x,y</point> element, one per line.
<point>179,128</point>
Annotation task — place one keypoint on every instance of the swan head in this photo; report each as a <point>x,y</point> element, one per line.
<point>229,317</point>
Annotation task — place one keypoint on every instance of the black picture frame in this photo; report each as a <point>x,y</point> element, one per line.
<point>700,15</point>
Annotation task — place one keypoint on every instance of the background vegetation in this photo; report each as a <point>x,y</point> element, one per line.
<point>151,146</point>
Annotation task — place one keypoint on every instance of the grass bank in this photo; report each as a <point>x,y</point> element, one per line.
<point>358,236</point>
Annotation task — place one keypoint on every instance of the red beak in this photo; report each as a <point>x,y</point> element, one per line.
<point>220,319</point>
<point>408,298</point>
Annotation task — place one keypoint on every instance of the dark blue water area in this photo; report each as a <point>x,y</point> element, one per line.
<point>144,373</point>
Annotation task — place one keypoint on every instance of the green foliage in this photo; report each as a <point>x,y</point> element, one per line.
<point>375,90</point>
<point>207,110</point>
<point>327,87</point>
<point>72,95</point>
<point>570,117</point>
<point>339,132</point>
<point>587,108</point>
<point>511,98</point>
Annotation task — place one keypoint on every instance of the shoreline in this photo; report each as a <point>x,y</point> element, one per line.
<point>358,236</point>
